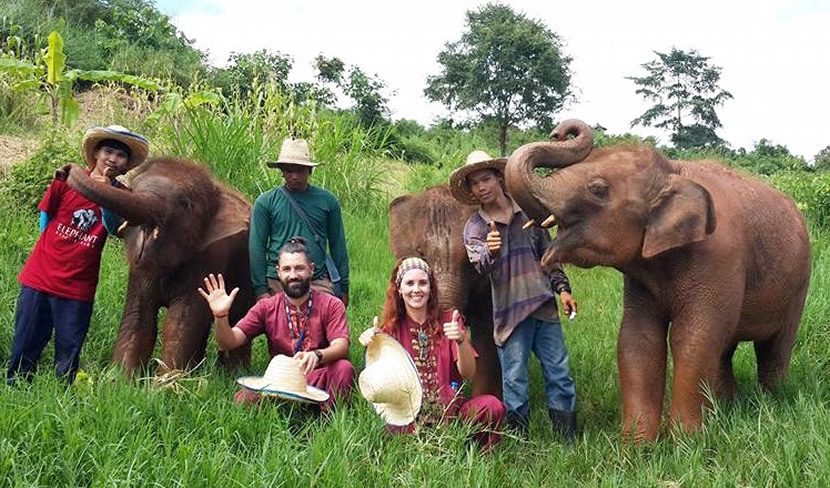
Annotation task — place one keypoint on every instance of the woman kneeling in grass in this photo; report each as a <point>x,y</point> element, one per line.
<point>441,350</point>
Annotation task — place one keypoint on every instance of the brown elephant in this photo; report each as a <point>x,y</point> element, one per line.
<point>180,225</point>
<point>430,224</point>
<point>710,257</point>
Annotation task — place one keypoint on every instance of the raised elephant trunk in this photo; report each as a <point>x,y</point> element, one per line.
<point>527,188</point>
<point>134,208</point>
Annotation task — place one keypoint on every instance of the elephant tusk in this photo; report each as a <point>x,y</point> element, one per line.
<point>122,228</point>
<point>549,222</point>
<point>530,223</point>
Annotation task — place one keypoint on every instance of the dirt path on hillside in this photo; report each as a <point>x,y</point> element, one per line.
<point>15,150</point>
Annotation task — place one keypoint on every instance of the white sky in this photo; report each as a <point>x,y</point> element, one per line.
<point>774,54</point>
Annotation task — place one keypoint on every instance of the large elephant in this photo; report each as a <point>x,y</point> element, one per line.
<point>180,225</point>
<point>710,257</point>
<point>430,225</point>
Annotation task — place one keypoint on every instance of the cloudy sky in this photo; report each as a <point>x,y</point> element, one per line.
<point>775,54</point>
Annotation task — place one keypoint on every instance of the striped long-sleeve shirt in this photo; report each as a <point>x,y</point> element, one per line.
<point>519,286</point>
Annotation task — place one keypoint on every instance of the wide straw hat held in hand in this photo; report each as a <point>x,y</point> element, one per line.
<point>476,160</point>
<point>293,151</point>
<point>283,378</point>
<point>139,147</point>
<point>390,381</point>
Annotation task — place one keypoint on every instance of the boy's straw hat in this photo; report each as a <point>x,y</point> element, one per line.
<point>293,151</point>
<point>476,160</point>
<point>139,147</point>
<point>390,381</point>
<point>283,378</point>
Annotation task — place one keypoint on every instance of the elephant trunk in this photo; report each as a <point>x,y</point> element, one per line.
<point>133,207</point>
<point>529,189</point>
<point>451,294</point>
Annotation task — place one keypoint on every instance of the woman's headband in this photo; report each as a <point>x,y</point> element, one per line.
<point>409,264</point>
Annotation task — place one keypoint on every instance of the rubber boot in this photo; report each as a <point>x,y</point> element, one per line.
<point>564,425</point>
<point>520,424</point>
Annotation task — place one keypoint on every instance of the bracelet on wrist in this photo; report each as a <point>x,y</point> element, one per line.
<point>220,316</point>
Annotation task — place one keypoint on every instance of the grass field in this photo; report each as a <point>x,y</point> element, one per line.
<point>107,431</point>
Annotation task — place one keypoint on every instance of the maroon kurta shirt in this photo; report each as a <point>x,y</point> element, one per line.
<point>446,352</point>
<point>326,323</point>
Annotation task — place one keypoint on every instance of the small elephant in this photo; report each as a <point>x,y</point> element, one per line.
<point>710,257</point>
<point>180,225</point>
<point>430,224</point>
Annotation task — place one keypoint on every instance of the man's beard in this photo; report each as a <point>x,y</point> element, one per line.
<point>297,289</point>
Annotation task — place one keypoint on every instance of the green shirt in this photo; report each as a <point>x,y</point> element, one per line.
<point>274,221</point>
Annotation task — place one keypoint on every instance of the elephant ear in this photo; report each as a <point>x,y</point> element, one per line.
<point>684,214</point>
<point>232,217</point>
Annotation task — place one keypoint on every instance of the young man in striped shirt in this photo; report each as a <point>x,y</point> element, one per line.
<point>525,315</point>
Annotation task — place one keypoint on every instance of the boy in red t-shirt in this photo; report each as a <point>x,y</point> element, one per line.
<point>59,278</point>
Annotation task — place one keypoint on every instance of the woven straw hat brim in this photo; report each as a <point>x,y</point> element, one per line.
<point>458,186</point>
<point>139,146</point>
<point>277,164</point>
<point>405,411</point>
<point>266,387</point>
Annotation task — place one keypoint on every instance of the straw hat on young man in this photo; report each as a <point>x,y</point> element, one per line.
<point>476,160</point>
<point>284,379</point>
<point>390,381</point>
<point>293,151</point>
<point>138,146</point>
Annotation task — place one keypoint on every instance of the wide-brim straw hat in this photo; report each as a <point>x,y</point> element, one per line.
<point>283,378</point>
<point>476,160</point>
<point>390,381</point>
<point>293,151</point>
<point>139,146</point>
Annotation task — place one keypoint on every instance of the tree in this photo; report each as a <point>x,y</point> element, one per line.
<point>247,70</point>
<point>506,68</point>
<point>822,160</point>
<point>366,91</point>
<point>684,87</point>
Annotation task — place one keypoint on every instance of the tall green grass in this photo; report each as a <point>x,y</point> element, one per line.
<point>237,138</point>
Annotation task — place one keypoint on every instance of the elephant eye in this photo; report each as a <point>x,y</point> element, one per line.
<point>598,187</point>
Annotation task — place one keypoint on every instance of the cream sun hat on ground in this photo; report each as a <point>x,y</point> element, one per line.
<point>139,147</point>
<point>283,378</point>
<point>390,381</point>
<point>293,151</point>
<point>476,160</point>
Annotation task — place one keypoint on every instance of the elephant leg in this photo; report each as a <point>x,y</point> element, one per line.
<point>773,357</point>
<point>698,350</point>
<point>230,257</point>
<point>727,386</point>
<point>185,332</point>
<point>773,354</point>
<point>241,356</point>
<point>138,329</point>
<point>641,358</point>
<point>487,380</point>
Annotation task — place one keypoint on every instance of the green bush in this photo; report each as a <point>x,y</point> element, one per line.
<point>811,192</point>
<point>23,185</point>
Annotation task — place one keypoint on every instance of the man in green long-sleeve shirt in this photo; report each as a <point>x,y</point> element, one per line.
<point>274,220</point>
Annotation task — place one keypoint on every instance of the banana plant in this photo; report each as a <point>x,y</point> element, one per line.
<point>53,82</point>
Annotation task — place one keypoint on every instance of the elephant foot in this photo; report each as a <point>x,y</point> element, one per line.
<point>640,430</point>
<point>236,358</point>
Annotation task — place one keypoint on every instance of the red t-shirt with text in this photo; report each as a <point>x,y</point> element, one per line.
<point>67,257</point>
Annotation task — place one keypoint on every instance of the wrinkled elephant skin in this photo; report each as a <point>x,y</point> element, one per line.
<point>181,224</point>
<point>430,224</point>
<point>710,256</point>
